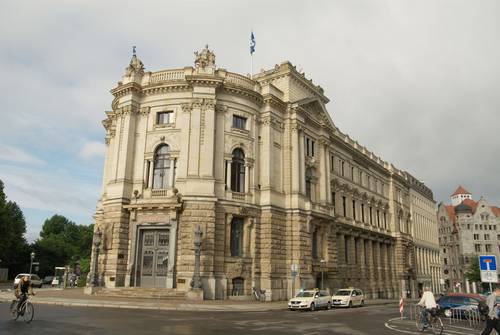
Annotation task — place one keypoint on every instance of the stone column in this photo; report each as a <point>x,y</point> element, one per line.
<point>247,178</point>
<point>295,182</point>
<point>151,172</point>
<point>302,155</point>
<point>371,268</point>
<point>362,260</point>
<point>171,175</point>
<point>322,184</point>
<point>228,175</point>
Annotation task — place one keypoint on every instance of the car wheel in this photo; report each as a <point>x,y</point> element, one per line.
<point>350,304</point>
<point>362,303</point>
<point>312,308</point>
<point>328,306</point>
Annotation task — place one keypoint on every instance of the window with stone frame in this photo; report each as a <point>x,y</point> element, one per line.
<point>164,117</point>
<point>239,122</point>
<point>354,210</point>
<point>363,213</point>
<point>161,168</point>
<point>315,244</point>
<point>309,178</point>
<point>236,243</point>
<point>333,202</point>
<point>309,144</point>
<point>238,286</point>
<point>488,247</point>
<point>344,206</point>
<point>238,171</point>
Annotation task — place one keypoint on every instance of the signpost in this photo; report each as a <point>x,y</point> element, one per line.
<point>488,267</point>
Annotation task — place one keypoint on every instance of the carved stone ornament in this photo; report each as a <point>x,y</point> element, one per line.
<point>135,67</point>
<point>204,58</point>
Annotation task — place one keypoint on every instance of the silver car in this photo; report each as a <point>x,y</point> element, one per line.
<point>35,280</point>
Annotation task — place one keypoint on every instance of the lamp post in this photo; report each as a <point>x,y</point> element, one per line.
<point>97,244</point>
<point>322,262</point>
<point>32,257</point>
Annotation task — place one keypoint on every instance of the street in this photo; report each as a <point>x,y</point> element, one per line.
<point>50,319</point>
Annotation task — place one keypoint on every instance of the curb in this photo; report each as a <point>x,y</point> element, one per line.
<point>182,307</point>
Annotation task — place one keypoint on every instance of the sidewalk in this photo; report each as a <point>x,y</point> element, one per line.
<point>76,297</point>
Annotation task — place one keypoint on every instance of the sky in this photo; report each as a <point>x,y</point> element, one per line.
<point>416,82</point>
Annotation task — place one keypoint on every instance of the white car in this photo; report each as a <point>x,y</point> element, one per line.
<point>311,300</point>
<point>348,297</point>
<point>35,280</point>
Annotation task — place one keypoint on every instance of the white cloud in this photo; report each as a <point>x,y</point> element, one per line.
<point>92,149</point>
<point>13,154</point>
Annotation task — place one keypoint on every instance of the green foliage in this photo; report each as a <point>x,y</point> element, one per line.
<point>61,243</point>
<point>473,273</point>
<point>14,250</point>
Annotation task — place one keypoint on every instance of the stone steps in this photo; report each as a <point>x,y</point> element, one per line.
<point>142,293</point>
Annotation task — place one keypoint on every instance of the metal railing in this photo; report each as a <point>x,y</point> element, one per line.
<point>464,316</point>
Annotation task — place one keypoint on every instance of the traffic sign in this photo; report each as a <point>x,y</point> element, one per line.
<point>488,267</point>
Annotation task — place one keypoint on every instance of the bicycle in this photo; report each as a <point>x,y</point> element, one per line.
<point>26,310</point>
<point>258,294</point>
<point>435,323</point>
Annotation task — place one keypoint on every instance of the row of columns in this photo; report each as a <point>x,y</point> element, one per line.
<point>374,260</point>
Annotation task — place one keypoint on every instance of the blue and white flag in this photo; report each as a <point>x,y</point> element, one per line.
<point>252,43</point>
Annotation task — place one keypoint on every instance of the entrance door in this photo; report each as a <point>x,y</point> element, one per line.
<point>154,258</point>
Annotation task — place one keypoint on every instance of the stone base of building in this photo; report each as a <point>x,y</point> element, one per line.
<point>195,295</point>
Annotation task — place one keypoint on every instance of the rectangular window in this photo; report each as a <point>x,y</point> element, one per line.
<point>488,247</point>
<point>352,172</point>
<point>342,170</point>
<point>164,117</point>
<point>378,218</point>
<point>476,237</point>
<point>354,209</point>
<point>239,122</point>
<point>236,243</point>
<point>332,163</point>
<point>363,212</point>
<point>445,261</point>
<point>477,247</point>
<point>344,207</point>
<point>315,244</point>
<point>385,220</point>
<point>333,201</point>
<point>371,216</point>
<point>486,236</point>
<point>309,144</point>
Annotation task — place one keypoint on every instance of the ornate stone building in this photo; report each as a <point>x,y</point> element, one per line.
<point>425,236</point>
<point>467,229</point>
<point>260,166</point>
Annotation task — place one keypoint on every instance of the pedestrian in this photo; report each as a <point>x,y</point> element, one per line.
<point>492,321</point>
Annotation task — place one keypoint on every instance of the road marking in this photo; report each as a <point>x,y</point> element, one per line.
<point>464,331</point>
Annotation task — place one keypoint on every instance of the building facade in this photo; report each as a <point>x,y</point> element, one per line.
<point>467,229</point>
<point>425,236</point>
<point>260,166</point>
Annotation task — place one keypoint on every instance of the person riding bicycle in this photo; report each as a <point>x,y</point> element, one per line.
<point>429,303</point>
<point>23,289</point>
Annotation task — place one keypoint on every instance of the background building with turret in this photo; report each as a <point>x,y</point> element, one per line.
<point>259,165</point>
<point>467,229</point>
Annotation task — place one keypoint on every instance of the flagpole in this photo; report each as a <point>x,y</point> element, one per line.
<point>251,65</point>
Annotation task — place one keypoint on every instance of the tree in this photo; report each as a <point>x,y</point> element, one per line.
<point>61,243</point>
<point>473,273</point>
<point>14,250</point>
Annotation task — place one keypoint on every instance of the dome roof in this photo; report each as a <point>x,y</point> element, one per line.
<point>463,208</point>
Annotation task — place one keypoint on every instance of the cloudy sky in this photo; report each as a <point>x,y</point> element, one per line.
<point>417,82</point>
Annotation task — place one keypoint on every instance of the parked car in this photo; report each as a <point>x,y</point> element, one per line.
<point>47,280</point>
<point>35,280</point>
<point>311,300</point>
<point>459,301</point>
<point>348,297</point>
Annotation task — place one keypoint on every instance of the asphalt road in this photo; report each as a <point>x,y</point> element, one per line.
<point>51,319</point>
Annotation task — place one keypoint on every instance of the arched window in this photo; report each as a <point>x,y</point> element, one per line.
<point>238,171</point>
<point>238,286</point>
<point>161,169</point>
<point>309,178</point>
<point>236,243</point>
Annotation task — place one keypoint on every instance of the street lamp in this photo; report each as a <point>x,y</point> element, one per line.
<point>196,281</point>
<point>97,244</point>
<point>32,256</point>
<point>322,262</point>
